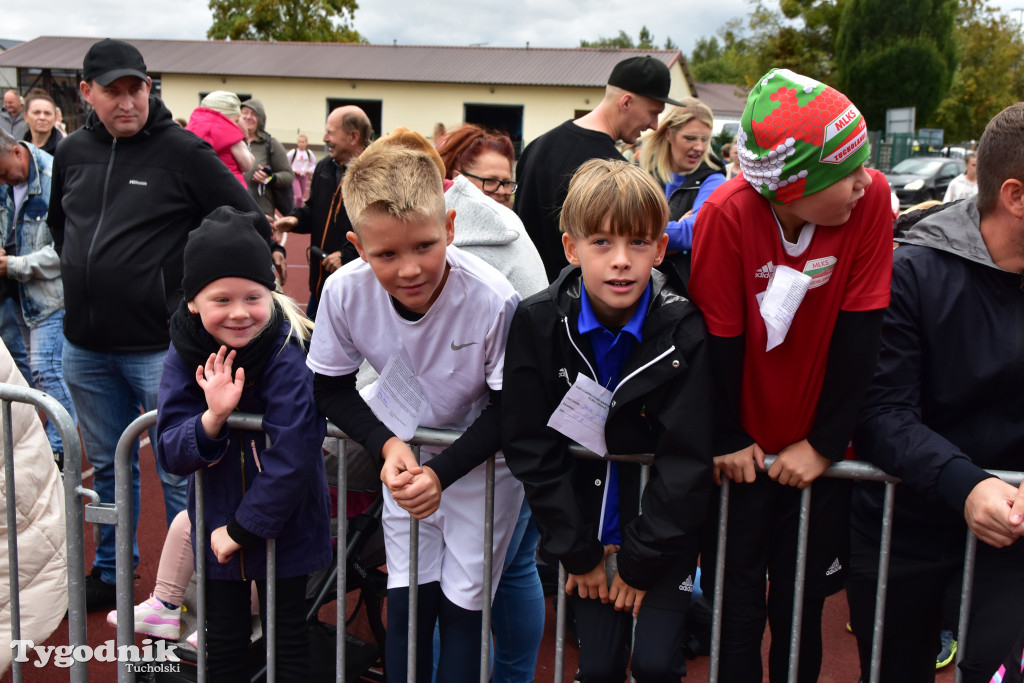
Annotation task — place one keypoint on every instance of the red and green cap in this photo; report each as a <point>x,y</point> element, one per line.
<point>798,136</point>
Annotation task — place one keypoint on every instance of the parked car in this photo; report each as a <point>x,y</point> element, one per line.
<point>918,179</point>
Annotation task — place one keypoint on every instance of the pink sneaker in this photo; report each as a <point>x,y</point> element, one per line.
<point>193,640</point>
<point>153,618</point>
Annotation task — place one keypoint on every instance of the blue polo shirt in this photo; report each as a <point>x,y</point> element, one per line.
<point>611,349</point>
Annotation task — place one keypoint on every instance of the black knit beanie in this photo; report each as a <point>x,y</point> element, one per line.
<point>226,244</point>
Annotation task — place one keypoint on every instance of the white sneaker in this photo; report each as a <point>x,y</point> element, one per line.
<point>153,618</point>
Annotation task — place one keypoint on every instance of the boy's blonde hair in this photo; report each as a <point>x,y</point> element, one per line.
<point>391,180</point>
<point>614,196</point>
<point>657,156</point>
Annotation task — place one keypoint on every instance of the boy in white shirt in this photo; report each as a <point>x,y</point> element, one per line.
<point>432,321</point>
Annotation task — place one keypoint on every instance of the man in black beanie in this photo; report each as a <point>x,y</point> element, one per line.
<point>127,189</point>
<point>636,94</point>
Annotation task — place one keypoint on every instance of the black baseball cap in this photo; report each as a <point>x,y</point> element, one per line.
<point>109,60</point>
<point>645,76</point>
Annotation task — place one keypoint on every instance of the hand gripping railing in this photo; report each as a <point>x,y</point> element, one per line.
<point>75,530</point>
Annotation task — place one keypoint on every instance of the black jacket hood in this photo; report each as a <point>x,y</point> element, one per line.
<point>952,228</point>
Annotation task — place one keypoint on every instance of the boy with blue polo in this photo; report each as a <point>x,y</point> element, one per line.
<point>610,356</point>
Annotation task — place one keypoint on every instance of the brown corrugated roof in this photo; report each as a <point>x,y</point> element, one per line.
<point>580,67</point>
<point>722,98</point>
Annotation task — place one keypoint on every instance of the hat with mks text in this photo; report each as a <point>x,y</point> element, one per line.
<point>798,136</point>
<point>645,76</point>
<point>109,60</point>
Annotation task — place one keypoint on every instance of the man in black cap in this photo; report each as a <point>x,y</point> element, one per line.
<point>636,94</point>
<point>127,189</point>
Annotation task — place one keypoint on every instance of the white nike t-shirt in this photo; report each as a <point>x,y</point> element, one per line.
<point>456,350</point>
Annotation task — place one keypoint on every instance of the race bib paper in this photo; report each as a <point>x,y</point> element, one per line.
<point>396,398</point>
<point>582,414</point>
<point>785,293</point>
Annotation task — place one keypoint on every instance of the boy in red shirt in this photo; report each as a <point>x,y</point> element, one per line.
<point>791,268</point>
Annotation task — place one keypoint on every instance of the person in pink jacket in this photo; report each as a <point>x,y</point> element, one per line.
<point>216,121</point>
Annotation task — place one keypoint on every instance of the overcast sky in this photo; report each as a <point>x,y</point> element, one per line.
<point>544,23</point>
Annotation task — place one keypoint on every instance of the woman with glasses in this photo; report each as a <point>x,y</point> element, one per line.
<point>478,169</point>
<point>484,157</point>
<point>678,155</point>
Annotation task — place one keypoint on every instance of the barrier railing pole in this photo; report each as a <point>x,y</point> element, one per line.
<point>485,629</point>
<point>798,587</point>
<point>560,605</point>
<point>270,637</point>
<point>970,557</point>
<point>124,561</point>
<point>716,605</point>
<point>882,588</point>
<point>74,523</point>
<point>414,589</point>
<point>12,536</point>
<point>200,484</point>
<point>340,602</point>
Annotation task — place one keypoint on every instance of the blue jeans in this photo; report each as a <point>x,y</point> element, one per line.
<point>517,613</point>
<point>110,390</point>
<point>45,344</point>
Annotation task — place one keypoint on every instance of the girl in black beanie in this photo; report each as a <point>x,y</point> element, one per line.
<point>238,345</point>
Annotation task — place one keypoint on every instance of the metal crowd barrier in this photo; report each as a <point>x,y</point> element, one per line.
<point>860,471</point>
<point>73,520</point>
<point>433,437</point>
<point>125,566</point>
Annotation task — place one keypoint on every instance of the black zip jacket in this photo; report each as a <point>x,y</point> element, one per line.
<point>946,400</point>
<point>661,406</point>
<point>120,212</point>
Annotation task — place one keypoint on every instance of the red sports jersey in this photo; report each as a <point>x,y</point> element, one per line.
<point>736,247</point>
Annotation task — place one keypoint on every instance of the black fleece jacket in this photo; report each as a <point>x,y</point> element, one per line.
<point>120,213</point>
<point>946,400</point>
<point>662,406</point>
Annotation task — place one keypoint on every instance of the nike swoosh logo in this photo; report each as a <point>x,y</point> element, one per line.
<point>456,347</point>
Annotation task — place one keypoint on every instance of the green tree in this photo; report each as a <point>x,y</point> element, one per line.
<point>284,20</point>
<point>797,35</point>
<point>990,75</point>
<point>896,53</point>
<point>624,42</point>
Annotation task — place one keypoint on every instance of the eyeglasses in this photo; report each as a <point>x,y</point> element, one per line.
<point>491,185</point>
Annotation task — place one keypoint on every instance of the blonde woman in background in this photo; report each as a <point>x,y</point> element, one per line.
<point>678,155</point>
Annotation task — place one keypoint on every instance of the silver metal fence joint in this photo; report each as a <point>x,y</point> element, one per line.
<point>73,517</point>
<point>882,587</point>
<point>342,582</point>
<point>200,554</point>
<point>12,536</point>
<point>970,559</point>
<point>123,536</point>
<point>270,637</point>
<point>485,630</point>
<point>414,589</point>
<point>799,583</point>
<point>719,593</point>
<point>560,602</point>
